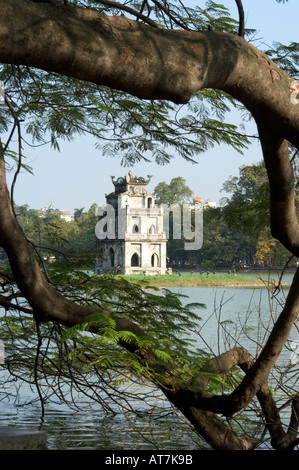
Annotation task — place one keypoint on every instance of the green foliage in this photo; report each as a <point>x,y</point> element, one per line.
<point>176,192</point>
<point>174,14</point>
<point>224,247</point>
<point>216,16</point>
<point>247,209</point>
<point>50,233</point>
<point>236,234</point>
<point>164,320</point>
<point>93,349</point>
<point>203,279</point>
<point>286,57</point>
<point>52,107</point>
<point>14,158</point>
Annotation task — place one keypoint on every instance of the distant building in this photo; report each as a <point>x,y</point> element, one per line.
<point>211,204</point>
<point>198,200</point>
<point>64,214</point>
<point>135,241</point>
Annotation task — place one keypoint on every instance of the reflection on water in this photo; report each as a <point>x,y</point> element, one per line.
<point>221,327</point>
<point>91,429</point>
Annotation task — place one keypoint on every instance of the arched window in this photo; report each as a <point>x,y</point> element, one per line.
<point>152,229</point>
<point>135,260</point>
<point>154,260</point>
<point>150,202</point>
<point>135,228</point>
<point>111,257</point>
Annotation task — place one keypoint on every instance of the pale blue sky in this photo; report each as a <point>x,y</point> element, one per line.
<point>79,175</point>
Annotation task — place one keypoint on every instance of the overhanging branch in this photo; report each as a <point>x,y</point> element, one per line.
<point>241,18</point>
<point>129,10</point>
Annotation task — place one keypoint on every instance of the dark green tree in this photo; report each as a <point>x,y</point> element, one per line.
<point>246,211</point>
<point>247,207</point>
<point>224,247</point>
<point>78,213</point>
<point>176,192</point>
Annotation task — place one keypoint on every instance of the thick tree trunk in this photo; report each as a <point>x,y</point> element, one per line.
<point>153,63</point>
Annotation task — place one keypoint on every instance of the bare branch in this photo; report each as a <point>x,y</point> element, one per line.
<point>8,305</point>
<point>17,124</point>
<point>169,14</point>
<point>241,18</point>
<point>131,11</point>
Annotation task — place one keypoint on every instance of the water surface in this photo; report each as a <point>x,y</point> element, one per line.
<point>221,327</point>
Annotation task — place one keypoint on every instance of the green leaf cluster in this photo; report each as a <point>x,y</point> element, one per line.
<point>286,57</point>
<point>54,108</point>
<point>161,314</point>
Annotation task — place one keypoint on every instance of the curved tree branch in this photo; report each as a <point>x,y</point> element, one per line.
<point>284,223</point>
<point>148,62</point>
<point>280,439</point>
<point>17,125</point>
<point>6,303</point>
<point>257,372</point>
<point>241,18</point>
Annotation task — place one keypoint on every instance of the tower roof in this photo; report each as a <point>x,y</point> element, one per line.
<point>122,184</point>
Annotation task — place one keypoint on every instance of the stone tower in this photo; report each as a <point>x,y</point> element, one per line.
<point>129,232</point>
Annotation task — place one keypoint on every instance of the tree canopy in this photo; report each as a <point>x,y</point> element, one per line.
<point>122,73</point>
<point>176,192</point>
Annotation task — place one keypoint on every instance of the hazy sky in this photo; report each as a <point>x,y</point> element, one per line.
<point>79,175</point>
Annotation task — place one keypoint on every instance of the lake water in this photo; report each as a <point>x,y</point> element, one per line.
<point>221,326</point>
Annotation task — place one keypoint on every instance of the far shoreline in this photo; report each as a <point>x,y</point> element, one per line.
<point>203,280</point>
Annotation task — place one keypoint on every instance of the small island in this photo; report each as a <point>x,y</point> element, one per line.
<point>206,280</point>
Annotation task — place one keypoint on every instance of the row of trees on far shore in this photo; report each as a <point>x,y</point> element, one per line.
<point>235,235</point>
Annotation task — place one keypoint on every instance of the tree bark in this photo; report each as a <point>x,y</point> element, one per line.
<point>151,63</point>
